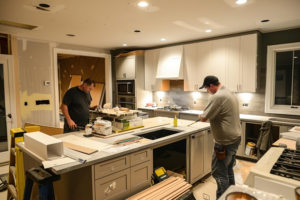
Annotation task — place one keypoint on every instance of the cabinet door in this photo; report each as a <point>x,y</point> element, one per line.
<point>125,67</point>
<point>248,63</point>
<point>140,177</point>
<point>233,72</point>
<point>197,156</point>
<point>203,62</point>
<point>190,67</point>
<point>113,187</point>
<point>150,70</point>
<point>240,151</point>
<point>188,117</point>
<point>219,59</point>
<point>208,149</point>
<point>150,112</point>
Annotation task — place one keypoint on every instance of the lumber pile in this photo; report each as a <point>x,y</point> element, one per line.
<point>171,188</point>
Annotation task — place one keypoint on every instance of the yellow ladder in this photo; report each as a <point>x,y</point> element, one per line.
<point>16,177</point>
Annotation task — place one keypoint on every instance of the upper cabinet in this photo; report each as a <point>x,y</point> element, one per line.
<point>151,82</point>
<point>125,67</point>
<point>170,63</point>
<point>232,60</point>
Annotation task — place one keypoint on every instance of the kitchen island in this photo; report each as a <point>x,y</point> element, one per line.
<point>123,173</point>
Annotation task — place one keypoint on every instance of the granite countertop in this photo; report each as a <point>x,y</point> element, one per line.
<point>101,156</point>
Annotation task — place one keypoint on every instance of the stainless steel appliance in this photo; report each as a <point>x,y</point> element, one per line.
<point>277,172</point>
<point>127,102</point>
<point>126,87</point>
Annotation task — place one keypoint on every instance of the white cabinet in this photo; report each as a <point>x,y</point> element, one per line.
<point>248,63</point>
<point>218,59</point>
<point>125,67</point>
<point>151,62</point>
<point>208,151</point>
<point>190,67</point>
<point>196,156</point>
<point>232,60</point>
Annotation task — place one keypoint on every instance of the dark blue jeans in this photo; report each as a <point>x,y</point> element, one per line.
<point>222,170</point>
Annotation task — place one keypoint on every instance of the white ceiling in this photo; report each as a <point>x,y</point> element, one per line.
<point>108,24</point>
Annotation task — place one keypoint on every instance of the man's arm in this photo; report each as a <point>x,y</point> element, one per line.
<point>94,107</point>
<point>64,109</point>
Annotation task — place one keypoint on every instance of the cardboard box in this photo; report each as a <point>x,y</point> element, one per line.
<point>45,146</point>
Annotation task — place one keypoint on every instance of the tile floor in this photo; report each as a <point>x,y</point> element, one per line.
<point>205,189</point>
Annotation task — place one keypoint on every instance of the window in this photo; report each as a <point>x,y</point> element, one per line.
<point>283,79</point>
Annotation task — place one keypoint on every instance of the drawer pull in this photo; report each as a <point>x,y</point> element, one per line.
<point>111,187</point>
<point>141,157</point>
<point>112,168</point>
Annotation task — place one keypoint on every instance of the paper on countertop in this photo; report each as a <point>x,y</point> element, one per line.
<point>85,142</point>
<point>295,129</point>
<point>81,157</point>
<point>57,162</point>
<point>116,149</point>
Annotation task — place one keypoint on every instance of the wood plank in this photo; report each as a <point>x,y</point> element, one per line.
<point>75,81</point>
<point>158,194</point>
<point>49,130</point>
<point>178,193</point>
<point>12,169</point>
<point>291,144</point>
<point>96,94</point>
<point>151,189</point>
<point>80,148</point>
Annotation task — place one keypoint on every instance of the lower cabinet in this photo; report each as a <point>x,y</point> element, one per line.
<point>188,117</point>
<point>115,186</point>
<point>208,151</point>
<point>124,176</point>
<point>150,112</point>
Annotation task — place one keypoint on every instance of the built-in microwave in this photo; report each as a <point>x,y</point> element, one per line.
<point>127,102</point>
<point>125,87</point>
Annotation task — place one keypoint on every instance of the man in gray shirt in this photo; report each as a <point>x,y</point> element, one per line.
<point>222,112</point>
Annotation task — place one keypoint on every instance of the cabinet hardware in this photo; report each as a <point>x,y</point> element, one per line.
<point>193,137</point>
<point>237,87</point>
<point>112,168</point>
<point>124,75</point>
<point>141,157</point>
<point>294,107</point>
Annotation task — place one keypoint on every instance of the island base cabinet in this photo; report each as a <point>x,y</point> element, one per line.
<point>140,177</point>
<point>113,187</point>
<point>208,151</point>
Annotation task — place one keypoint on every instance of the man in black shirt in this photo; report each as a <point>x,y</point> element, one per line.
<point>76,105</point>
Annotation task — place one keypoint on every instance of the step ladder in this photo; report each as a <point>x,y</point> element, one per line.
<point>16,176</point>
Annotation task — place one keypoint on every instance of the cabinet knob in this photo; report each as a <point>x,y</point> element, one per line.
<point>112,168</point>
<point>124,75</point>
<point>193,137</point>
<point>141,157</point>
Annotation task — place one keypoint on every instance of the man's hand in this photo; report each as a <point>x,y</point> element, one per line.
<point>202,119</point>
<point>94,107</point>
<point>72,124</point>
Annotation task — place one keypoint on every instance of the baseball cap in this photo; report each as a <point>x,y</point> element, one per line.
<point>209,80</point>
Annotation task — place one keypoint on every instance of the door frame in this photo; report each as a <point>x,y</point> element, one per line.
<point>108,72</point>
<point>9,84</point>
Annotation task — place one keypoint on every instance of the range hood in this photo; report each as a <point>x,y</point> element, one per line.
<point>170,63</point>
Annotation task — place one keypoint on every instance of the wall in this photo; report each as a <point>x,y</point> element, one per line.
<point>35,67</point>
<point>256,100</point>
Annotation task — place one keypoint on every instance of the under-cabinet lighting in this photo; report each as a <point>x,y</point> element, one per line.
<point>241,1</point>
<point>208,31</point>
<point>163,39</point>
<point>124,45</point>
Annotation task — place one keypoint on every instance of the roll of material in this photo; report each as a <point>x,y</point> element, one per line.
<point>298,144</point>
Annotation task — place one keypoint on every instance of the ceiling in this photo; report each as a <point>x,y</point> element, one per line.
<point>108,24</point>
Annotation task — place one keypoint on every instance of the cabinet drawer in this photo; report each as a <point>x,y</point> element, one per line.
<point>113,187</point>
<point>111,166</point>
<point>140,157</point>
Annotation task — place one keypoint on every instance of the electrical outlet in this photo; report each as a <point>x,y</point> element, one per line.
<point>160,100</point>
<point>194,102</point>
<point>245,105</point>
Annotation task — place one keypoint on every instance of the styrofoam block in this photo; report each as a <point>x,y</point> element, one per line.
<point>45,146</point>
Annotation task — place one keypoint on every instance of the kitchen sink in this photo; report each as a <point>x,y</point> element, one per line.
<point>159,133</point>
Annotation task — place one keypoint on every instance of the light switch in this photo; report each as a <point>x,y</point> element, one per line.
<point>46,82</point>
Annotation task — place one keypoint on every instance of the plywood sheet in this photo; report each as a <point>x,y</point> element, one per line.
<point>75,81</point>
<point>80,148</point>
<point>96,94</point>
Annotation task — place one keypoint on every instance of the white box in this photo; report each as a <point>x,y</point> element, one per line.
<point>45,146</point>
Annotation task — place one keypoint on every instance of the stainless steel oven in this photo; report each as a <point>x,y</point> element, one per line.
<point>127,102</point>
<point>125,87</point>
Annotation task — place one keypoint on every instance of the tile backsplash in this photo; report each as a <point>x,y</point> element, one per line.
<point>198,101</point>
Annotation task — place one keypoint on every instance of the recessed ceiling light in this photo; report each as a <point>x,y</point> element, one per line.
<point>163,39</point>
<point>70,35</point>
<point>43,5</point>
<point>143,4</point>
<point>208,31</point>
<point>265,20</point>
<point>124,45</point>
<point>137,31</point>
<point>241,1</point>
